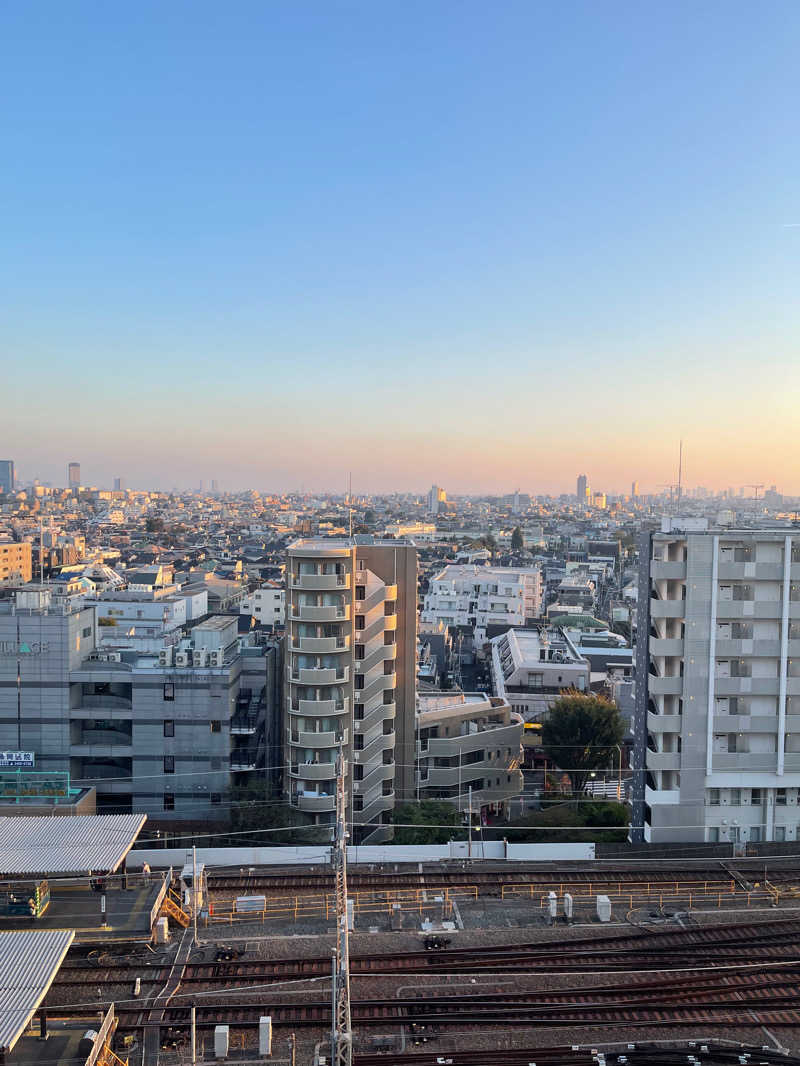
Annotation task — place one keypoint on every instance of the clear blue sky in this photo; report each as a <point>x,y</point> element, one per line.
<point>486,244</point>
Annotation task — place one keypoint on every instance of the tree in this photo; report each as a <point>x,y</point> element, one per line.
<point>517,543</point>
<point>581,734</point>
<point>428,822</point>
<point>154,525</point>
<point>261,810</point>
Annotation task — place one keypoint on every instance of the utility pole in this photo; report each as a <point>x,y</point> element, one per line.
<point>194,894</point>
<point>341,1032</point>
<point>469,816</point>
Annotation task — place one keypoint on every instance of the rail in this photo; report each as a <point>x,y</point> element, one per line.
<point>324,906</point>
<point>620,888</point>
<point>103,1034</point>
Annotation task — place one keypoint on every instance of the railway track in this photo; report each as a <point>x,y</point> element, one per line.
<point>644,1054</point>
<point>489,880</point>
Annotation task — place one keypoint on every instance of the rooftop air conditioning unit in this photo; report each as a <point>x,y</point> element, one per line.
<point>199,657</point>
<point>181,658</point>
<point>165,657</point>
<point>215,658</point>
<point>113,657</point>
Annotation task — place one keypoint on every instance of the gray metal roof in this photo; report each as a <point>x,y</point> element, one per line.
<point>64,846</point>
<point>29,961</point>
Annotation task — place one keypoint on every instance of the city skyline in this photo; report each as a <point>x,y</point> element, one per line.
<point>369,236</point>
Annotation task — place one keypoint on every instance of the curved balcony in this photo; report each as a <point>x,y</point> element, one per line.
<point>304,738</point>
<point>324,708</point>
<point>314,804</point>
<point>390,593</point>
<point>313,771</point>
<point>322,675</point>
<point>320,582</point>
<point>320,645</point>
<point>390,622</point>
<point>301,613</point>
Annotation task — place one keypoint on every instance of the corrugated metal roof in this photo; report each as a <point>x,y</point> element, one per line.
<point>29,961</point>
<point>64,846</point>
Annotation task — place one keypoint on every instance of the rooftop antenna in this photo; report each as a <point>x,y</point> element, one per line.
<point>350,500</point>
<point>680,470</point>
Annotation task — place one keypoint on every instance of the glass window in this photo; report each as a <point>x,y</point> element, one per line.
<point>713,797</point>
<point>169,728</point>
<point>216,726</point>
<point>755,833</point>
<point>736,797</point>
<point>713,834</point>
<point>780,832</point>
<point>169,764</point>
<point>216,798</point>
<point>169,801</point>
<point>755,796</point>
<point>780,797</point>
<point>169,691</point>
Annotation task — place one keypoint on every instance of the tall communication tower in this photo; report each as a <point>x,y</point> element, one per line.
<point>341,1032</point>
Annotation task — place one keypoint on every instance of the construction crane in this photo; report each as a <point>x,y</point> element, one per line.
<point>341,1030</point>
<point>755,489</point>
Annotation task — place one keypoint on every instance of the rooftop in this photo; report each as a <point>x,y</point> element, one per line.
<point>29,961</point>
<point>66,847</point>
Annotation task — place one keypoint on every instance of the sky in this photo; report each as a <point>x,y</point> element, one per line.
<point>487,245</point>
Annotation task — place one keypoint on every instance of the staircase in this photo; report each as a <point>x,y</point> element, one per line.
<point>173,909</point>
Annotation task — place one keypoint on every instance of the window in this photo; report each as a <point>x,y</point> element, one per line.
<point>169,728</point>
<point>169,764</point>
<point>388,758</point>
<point>359,621</point>
<point>358,772</point>
<point>359,651</point>
<point>780,832</point>
<point>216,799</point>
<point>361,592</point>
<point>755,833</point>
<point>169,691</point>
<point>780,797</point>
<point>736,797</point>
<point>358,712</point>
<point>216,762</point>
<point>713,797</point>
<point>713,834</point>
<point>216,726</point>
<point>169,801</point>
<point>359,681</point>
<point>358,803</point>
<point>358,742</point>
<point>755,796</point>
<point>731,743</point>
<point>87,632</point>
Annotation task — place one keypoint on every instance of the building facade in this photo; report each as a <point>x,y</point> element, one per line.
<point>170,733</point>
<point>718,686</point>
<point>531,668</point>
<point>74,475</point>
<point>16,562</point>
<point>350,678</point>
<point>469,748</point>
<point>7,480</point>
<point>479,596</point>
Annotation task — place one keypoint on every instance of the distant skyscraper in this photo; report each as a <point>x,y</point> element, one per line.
<point>6,475</point>
<point>214,486</point>
<point>634,490</point>
<point>583,488</point>
<point>119,484</point>
<point>74,475</point>
<point>436,497</point>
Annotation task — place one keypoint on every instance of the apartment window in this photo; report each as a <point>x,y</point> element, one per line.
<point>216,726</point>
<point>388,758</point>
<point>359,681</point>
<point>713,834</point>
<point>736,797</point>
<point>169,764</point>
<point>388,608</point>
<point>169,801</point>
<point>388,728</point>
<point>780,797</point>
<point>388,666</point>
<point>731,743</point>
<point>361,592</point>
<point>388,788</point>
<point>755,833</point>
<point>169,691</point>
<point>755,797</point>
<point>780,833</point>
<point>87,632</point>
<point>359,621</point>
<point>358,803</point>
<point>388,696</point>
<point>358,742</point>
<point>359,651</point>
<point>358,712</point>
<point>216,799</point>
<point>713,797</point>
<point>169,728</point>
<point>358,772</point>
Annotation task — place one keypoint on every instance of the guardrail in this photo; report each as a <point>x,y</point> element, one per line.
<point>162,892</point>
<point>103,1034</point>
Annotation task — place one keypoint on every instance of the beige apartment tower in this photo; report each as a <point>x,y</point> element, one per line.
<point>351,629</point>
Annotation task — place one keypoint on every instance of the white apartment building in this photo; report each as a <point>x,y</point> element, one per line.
<point>532,667</point>
<point>351,678</point>
<point>480,596</point>
<point>718,686</point>
<point>266,604</point>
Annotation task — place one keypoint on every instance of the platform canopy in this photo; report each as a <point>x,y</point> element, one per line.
<point>28,963</point>
<point>65,846</point>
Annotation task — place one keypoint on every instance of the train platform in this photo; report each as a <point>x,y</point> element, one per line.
<point>128,914</point>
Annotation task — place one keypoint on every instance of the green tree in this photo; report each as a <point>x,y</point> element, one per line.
<point>581,734</point>
<point>517,544</point>
<point>428,822</point>
<point>258,809</point>
<point>154,525</point>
